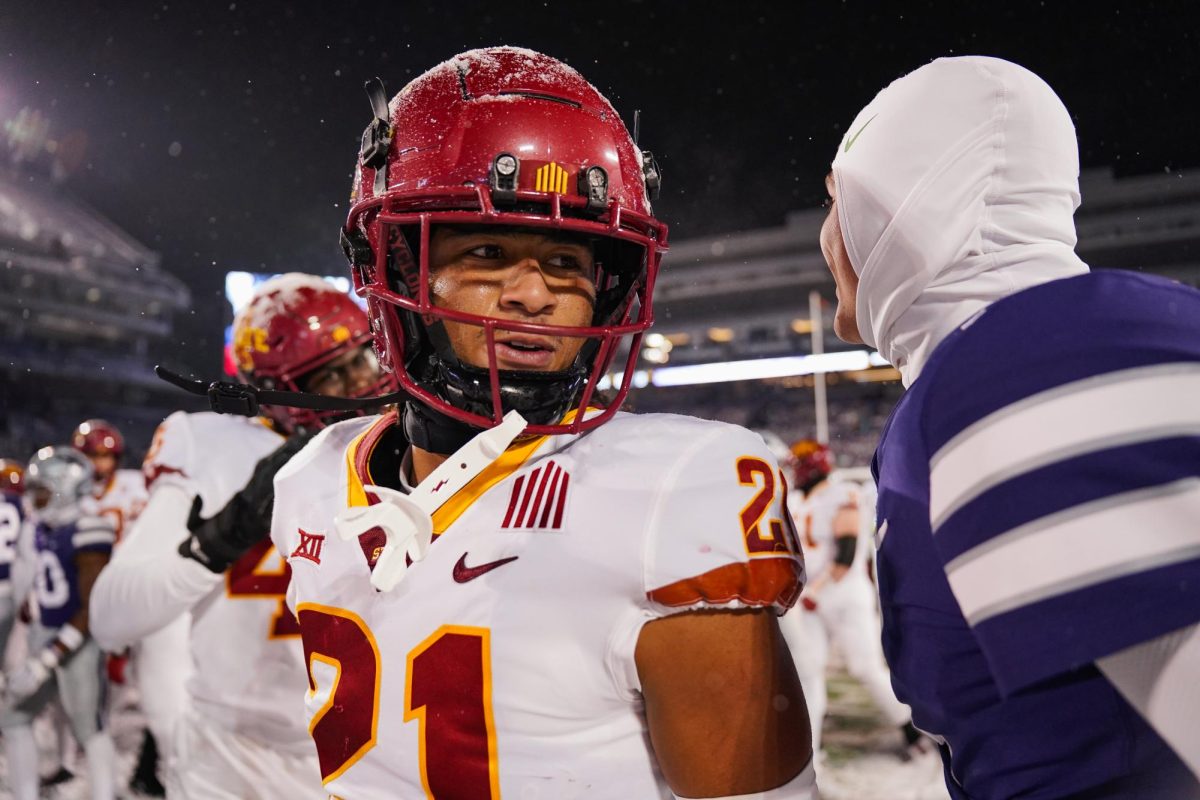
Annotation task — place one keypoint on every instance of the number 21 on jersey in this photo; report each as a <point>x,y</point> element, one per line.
<point>447,692</point>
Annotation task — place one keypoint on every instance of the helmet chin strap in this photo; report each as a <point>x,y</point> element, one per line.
<point>540,397</point>
<point>243,399</point>
<point>433,431</point>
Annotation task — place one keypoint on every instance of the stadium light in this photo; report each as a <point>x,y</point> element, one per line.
<point>755,369</point>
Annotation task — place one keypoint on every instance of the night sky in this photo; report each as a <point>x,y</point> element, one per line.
<point>223,134</point>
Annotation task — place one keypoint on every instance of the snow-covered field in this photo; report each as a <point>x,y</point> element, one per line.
<point>127,725</point>
<point>863,758</point>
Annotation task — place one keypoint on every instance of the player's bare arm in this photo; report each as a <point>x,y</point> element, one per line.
<point>845,541</point>
<point>724,707</point>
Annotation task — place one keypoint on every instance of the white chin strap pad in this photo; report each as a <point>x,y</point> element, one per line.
<point>407,519</point>
<point>407,526</point>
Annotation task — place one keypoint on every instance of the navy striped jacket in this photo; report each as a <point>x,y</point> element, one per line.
<point>1039,508</point>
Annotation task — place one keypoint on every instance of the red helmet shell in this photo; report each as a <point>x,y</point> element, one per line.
<point>294,324</point>
<point>95,437</point>
<point>12,476</point>
<point>449,127</point>
<point>450,123</point>
<point>813,462</point>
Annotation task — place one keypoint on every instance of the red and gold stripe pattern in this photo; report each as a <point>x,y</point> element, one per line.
<point>538,499</point>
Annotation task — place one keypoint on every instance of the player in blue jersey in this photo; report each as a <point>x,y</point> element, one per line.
<point>1039,483</point>
<point>72,545</point>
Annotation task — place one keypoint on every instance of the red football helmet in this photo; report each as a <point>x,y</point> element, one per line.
<point>502,136</point>
<point>813,462</point>
<point>95,437</point>
<point>12,475</point>
<point>293,325</point>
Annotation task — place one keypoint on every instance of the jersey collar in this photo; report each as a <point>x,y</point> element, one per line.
<point>370,461</point>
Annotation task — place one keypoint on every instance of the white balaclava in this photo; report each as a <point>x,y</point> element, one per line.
<point>956,187</point>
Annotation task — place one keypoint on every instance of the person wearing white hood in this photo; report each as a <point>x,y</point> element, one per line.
<point>1039,483</point>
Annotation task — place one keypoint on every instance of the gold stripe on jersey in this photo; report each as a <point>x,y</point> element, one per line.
<point>358,459</point>
<point>508,463</point>
<point>356,495</point>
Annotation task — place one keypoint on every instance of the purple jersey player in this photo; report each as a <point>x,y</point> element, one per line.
<point>72,546</point>
<point>1039,484</point>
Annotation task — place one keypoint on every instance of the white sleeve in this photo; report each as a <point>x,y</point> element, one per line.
<point>24,568</point>
<point>1158,678</point>
<point>720,534</point>
<point>147,584</point>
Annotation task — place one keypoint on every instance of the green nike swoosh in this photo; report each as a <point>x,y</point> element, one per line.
<point>850,142</point>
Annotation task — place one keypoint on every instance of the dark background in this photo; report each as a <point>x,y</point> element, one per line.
<point>223,133</point>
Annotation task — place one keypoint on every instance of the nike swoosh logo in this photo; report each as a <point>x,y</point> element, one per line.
<point>850,142</point>
<point>463,573</point>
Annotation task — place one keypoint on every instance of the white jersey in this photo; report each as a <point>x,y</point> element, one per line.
<point>814,519</point>
<point>244,643</point>
<point>12,519</point>
<point>122,499</point>
<point>503,663</point>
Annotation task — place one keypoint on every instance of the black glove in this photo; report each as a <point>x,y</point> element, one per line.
<point>220,540</point>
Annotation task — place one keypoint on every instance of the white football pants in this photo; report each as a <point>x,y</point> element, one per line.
<point>846,618</point>
<point>214,763</point>
<point>162,665</point>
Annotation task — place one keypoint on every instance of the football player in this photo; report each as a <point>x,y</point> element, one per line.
<point>72,547</point>
<point>596,614</point>
<point>838,605</point>
<point>12,485</point>
<point>160,661</point>
<point>201,546</point>
<point>16,573</point>
<point>120,493</point>
<point>1039,482</point>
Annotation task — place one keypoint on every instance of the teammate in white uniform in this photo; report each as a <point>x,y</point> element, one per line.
<point>161,663</point>
<point>540,648</point>
<point>120,493</point>
<point>244,735</point>
<point>12,485</point>
<point>838,606</point>
<point>72,546</point>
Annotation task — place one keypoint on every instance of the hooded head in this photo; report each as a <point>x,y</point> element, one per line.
<point>956,186</point>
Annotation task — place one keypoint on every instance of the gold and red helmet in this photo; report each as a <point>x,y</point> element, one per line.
<point>502,136</point>
<point>294,324</point>
<point>813,461</point>
<point>12,476</point>
<point>95,437</point>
